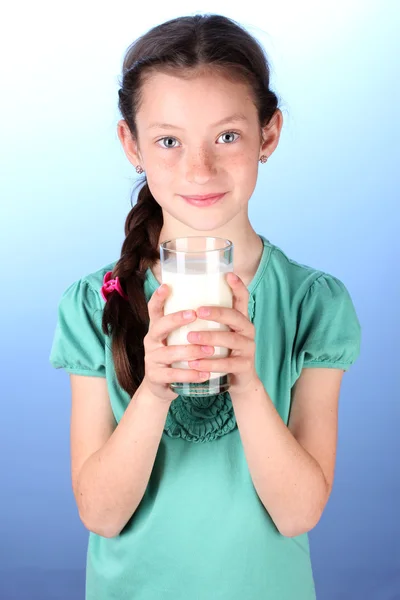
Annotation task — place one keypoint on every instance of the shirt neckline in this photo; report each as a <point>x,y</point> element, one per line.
<point>154,283</point>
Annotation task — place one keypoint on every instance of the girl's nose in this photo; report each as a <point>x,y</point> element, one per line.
<point>200,167</point>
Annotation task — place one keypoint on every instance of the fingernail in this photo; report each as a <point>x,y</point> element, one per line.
<point>207,349</point>
<point>234,277</point>
<point>188,314</point>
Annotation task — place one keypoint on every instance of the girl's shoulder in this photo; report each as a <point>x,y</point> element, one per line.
<point>95,278</point>
<point>79,342</point>
<point>298,278</point>
<point>282,262</point>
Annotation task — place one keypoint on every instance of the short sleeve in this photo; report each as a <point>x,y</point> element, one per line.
<point>79,343</point>
<point>329,332</point>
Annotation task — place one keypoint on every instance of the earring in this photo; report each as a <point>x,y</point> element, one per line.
<point>263,159</point>
<point>139,169</point>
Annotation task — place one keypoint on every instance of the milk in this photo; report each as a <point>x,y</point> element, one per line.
<point>190,290</point>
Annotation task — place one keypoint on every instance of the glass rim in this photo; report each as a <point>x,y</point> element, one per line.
<point>229,244</point>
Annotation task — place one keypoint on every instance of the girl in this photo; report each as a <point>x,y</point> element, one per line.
<point>206,498</point>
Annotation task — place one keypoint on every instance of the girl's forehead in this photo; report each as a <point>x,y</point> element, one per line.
<point>164,95</point>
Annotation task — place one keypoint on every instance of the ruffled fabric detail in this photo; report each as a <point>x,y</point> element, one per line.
<point>200,418</point>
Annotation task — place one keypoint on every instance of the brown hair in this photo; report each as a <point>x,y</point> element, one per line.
<point>184,47</point>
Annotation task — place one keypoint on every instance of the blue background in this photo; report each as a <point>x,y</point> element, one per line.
<point>328,197</point>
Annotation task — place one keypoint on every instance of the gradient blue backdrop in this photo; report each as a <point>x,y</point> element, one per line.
<point>328,197</point>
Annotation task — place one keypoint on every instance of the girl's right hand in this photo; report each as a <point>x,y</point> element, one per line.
<point>158,356</point>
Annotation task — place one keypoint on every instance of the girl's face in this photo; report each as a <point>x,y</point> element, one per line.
<point>185,148</point>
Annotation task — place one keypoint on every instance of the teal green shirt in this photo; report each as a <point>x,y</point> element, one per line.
<point>201,531</point>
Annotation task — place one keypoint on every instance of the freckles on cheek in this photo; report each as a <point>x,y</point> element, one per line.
<point>165,166</point>
<point>243,167</point>
<point>243,160</point>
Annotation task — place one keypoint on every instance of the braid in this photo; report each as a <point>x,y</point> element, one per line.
<point>127,322</point>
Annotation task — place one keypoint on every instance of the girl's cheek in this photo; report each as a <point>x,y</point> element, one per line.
<point>166,159</point>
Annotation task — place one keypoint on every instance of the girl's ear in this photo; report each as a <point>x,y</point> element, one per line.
<point>129,144</point>
<point>271,133</point>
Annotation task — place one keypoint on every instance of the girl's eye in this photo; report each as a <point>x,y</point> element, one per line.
<point>169,139</point>
<point>228,133</point>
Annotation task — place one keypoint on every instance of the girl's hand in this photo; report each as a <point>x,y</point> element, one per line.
<point>158,356</point>
<point>240,362</point>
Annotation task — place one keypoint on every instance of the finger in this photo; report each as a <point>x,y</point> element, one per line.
<point>157,301</point>
<point>240,293</point>
<point>226,339</point>
<point>238,364</point>
<point>160,326</point>
<point>170,375</point>
<point>166,355</point>
<point>168,323</point>
<point>235,319</point>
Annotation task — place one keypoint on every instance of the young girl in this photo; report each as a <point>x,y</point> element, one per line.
<point>202,498</point>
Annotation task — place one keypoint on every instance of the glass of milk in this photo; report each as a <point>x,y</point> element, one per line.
<point>195,270</point>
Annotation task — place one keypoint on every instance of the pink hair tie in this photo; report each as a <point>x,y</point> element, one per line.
<point>109,285</point>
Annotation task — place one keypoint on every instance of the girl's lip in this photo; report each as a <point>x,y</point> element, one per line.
<point>202,203</point>
<point>206,197</point>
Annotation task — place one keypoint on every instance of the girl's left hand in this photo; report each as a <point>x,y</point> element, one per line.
<point>241,340</point>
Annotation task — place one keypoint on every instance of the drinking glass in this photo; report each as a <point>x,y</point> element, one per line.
<point>195,270</point>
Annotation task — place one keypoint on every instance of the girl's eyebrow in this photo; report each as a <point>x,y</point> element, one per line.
<point>231,119</point>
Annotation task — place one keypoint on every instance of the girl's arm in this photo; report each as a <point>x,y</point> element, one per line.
<point>292,467</point>
<point>111,464</point>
